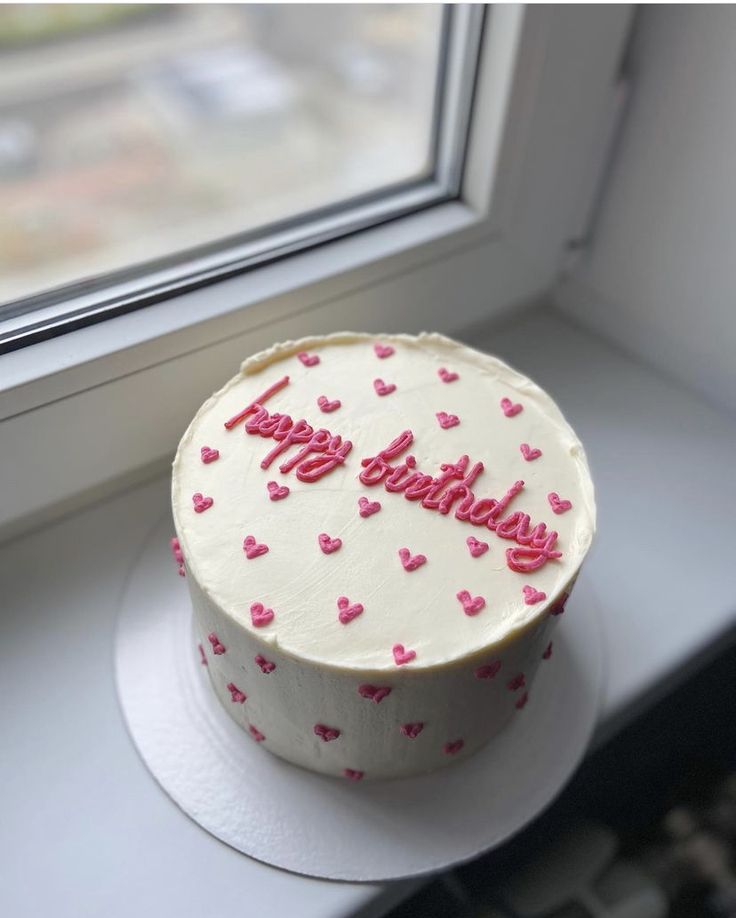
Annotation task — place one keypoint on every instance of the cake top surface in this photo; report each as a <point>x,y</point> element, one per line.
<point>368,502</point>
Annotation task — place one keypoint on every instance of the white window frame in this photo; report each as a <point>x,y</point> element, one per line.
<point>107,403</point>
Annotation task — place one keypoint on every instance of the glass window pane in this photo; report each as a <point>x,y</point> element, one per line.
<point>130,132</point>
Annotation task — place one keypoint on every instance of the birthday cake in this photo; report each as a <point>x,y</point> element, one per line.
<point>378,535</point>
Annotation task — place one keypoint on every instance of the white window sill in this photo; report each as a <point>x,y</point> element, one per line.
<point>120,847</point>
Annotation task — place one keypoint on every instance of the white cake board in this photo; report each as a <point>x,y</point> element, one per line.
<point>329,827</point>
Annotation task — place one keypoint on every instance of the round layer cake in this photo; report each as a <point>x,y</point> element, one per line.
<point>378,534</point>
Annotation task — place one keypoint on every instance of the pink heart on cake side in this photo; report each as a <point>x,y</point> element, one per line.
<point>454,747</point>
<point>348,610</point>
<point>265,665</point>
<point>252,548</point>
<point>509,408</point>
<point>547,651</point>
<point>260,616</point>
<point>412,730</point>
<point>517,682</point>
<point>477,548</point>
<point>209,455</point>
<point>327,544</point>
<point>201,503</point>
<point>326,405</point>
<point>374,692</point>
<point>532,596</point>
<point>235,694</point>
<point>217,646</point>
<point>176,550</point>
<point>383,350</point>
<point>521,701</point>
<point>352,774</point>
<point>558,607</point>
<point>528,453</point>
<point>472,605</point>
<point>326,734</point>
<point>447,420</point>
<point>488,671</point>
<point>368,507</point>
<point>447,376</point>
<point>256,733</point>
<point>276,491</point>
<point>402,656</point>
<point>309,360</point>
<point>411,562</point>
<point>383,388</point>
<point>557,504</point>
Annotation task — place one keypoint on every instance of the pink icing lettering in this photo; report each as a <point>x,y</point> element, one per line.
<point>447,420</point>
<point>383,350</point>
<point>411,562</point>
<point>472,605</point>
<point>376,467</point>
<point>516,683</point>
<point>300,432</point>
<point>312,469</point>
<point>488,671</point>
<point>260,616</point>
<point>309,360</point>
<point>383,388</point>
<point>352,774</point>
<point>374,692</point>
<point>557,504</point>
<point>266,666</point>
<point>532,596</point>
<point>528,453</point>
<point>446,375</point>
<point>236,695</point>
<point>252,548</point>
<point>453,747</point>
<point>412,730</point>
<point>526,560</point>
<point>547,651</point>
<point>217,647</point>
<point>509,408</point>
<point>326,734</point>
<point>327,544</point>
<point>348,611</point>
<point>276,491</point>
<point>256,403</point>
<point>209,455</point>
<point>402,656</point>
<point>326,405</point>
<point>201,503</point>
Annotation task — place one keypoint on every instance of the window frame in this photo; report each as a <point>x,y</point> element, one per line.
<point>85,412</point>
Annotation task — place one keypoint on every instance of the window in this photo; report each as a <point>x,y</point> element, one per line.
<point>146,149</point>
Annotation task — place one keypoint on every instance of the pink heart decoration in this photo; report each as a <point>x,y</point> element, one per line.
<point>326,734</point>
<point>403,656</point>
<point>454,747</point>
<point>528,453</point>
<point>201,503</point>
<point>472,605</point>
<point>383,388</point>
<point>509,408</point>
<point>252,548</point>
<point>259,615</point>
<point>309,360</point>
<point>277,492</point>
<point>477,548</point>
<point>547,651</point>
<point>202,655</point>
<point>516,683</point>
<point>256,734</point>
<point>328,406</point>
<point>374,692</point>
<point>558,607</point>
<point>532,596</point>
<point>217,647</point>
<point>383,350</point>
<point>353,774</point>
<point>446,375</point>
<point>411,562</point>
<point>557,504</point>
<point>176,550</point>
<point>347,611</point>
<point>488,671</point>
<point>209,455</point>
<point>447,420</point>
<point>412,730</point>
<point>266,665</point>
<point>521,701</point>
<point>327,544</point>
<point>367,507</point>
<point>235,694</point>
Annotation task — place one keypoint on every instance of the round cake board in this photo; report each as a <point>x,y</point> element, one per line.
<point>329,827</point>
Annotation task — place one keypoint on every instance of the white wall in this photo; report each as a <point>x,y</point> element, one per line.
<point>660,276</point>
